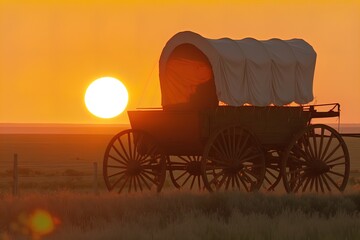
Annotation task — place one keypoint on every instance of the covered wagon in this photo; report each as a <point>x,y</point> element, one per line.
<point>233,117</point>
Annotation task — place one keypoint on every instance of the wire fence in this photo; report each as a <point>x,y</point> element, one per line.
<point>26,176</point>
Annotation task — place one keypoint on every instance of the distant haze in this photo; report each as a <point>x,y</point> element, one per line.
<point>103,129</point>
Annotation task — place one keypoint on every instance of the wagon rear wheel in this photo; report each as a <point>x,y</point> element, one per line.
<point>185,172</point>
<point>233,160</point>
<point>133,162</point>
<point>317,160</point>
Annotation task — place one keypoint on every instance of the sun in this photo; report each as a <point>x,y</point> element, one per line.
<point>106,97</point>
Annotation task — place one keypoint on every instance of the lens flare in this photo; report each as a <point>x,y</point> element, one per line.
<point>41,223</point>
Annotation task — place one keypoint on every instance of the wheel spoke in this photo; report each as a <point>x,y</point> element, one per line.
<point>221,153</point>
<point>144,180</point>
<point>180,176</point>
<point>314,143</point>
<point>321,184</point>
<point>120,155</point>
<point>321,142</point>
<point>336,164</point>
<point>239,153</point>
<point>233,182</point>
<point>237,181</point>
<point>337,174</point>
<point>122,186</point>
<point>153,173</point>
<point>225,146</point>
<point>267,179</point>
<point>326,183</point>
<point>130,151</point>
<point>193,180</point>
<point>135,185</point>
<point>184,159</point>
<point>306,184</point>
<point>115,166</point>
<point>123,148</point>
<point>332,152</point>
<point>138,180</point>
<point>307,146</point>
<point>227,182</point>
<point>115,174</point>
<point>149,178</point>
<point>199,181</point>
<point>332,181</point>
<point>327,146</point>
<point>117,181</point>
<point>311,184</point>
<point>272,174</point>
<point>316,184</point>
<point>185,181</point>
<point>335,159</point>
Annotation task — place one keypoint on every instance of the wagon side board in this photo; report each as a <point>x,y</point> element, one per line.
<point>273,126</point>
<point>186,132</point>
<point>177,132</point>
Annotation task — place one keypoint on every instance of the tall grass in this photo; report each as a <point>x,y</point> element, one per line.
<point>183,215</point>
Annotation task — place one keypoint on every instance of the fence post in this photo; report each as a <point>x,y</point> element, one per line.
<point>95,185</point>
<point>15,176</point>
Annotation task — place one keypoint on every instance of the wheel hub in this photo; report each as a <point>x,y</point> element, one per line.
<point>194,168</point>
<point>318,167</point>
<point>133,167</point>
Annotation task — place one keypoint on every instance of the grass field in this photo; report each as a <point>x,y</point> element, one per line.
<point>56,178</point>
<point>183,215</point>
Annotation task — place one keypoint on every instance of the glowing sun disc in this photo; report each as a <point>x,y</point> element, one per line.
<point>106,97</point>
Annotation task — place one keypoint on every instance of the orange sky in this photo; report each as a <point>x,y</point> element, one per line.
<point>50,51</point>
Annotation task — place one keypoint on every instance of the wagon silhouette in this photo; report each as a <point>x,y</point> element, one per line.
<point>228,122</point>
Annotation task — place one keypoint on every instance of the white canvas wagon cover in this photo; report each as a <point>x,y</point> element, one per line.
<point>199,72</point>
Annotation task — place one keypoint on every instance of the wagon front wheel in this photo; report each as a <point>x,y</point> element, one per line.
<point>317,160</point>
<point>233,160</point>
<point>133,162</point>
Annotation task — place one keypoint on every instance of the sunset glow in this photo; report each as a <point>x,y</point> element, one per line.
<point>50,49</point>
<point>106,97</point>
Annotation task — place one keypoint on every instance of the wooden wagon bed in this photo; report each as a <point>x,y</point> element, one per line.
<point>186,132</point>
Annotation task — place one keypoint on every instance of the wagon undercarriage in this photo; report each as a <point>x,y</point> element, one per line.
<point>240,156</point>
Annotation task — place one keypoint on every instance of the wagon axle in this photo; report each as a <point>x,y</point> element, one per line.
<point>194,168</point>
